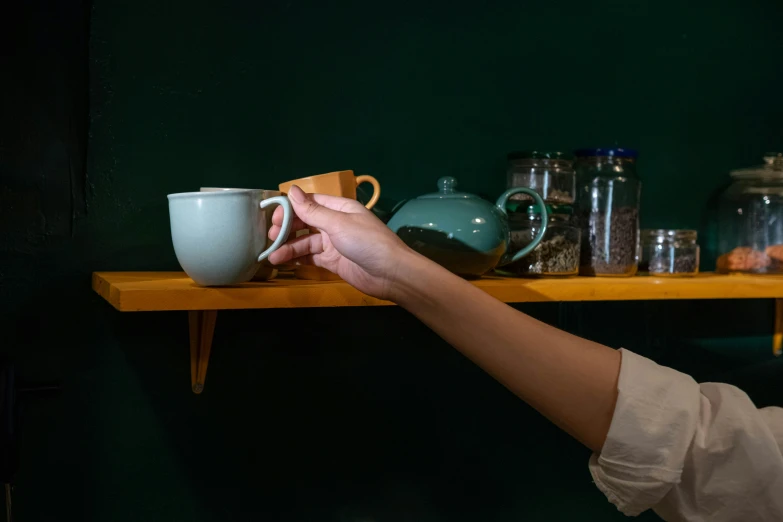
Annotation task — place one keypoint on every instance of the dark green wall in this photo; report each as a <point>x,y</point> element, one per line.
<point>343,415</point>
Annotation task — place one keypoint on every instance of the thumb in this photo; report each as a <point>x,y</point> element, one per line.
<point>311,212</point>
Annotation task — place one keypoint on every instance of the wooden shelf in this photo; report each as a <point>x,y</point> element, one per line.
<point>161,291</point>
<point>167,291</point>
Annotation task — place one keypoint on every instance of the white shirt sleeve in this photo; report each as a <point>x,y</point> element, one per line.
<point>690,452</point>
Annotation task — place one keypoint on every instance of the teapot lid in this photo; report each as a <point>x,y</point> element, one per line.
<point>772,168</point>
<point>447,190</point>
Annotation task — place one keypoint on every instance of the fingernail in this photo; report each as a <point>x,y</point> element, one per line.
<point>296,194</point>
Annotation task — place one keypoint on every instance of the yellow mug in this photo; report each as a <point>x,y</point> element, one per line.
<point>341,183</point>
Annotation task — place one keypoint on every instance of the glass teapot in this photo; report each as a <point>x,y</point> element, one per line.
<point>751,220</point>
<point>461,232</point>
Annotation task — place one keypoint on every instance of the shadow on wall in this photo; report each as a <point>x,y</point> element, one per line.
<point>43,136</point>
<point>384,422</point>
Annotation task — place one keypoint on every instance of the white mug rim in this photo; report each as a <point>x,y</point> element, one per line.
<point>216,194</point>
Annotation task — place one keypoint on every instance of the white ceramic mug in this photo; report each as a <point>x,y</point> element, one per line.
<point>267,270</point>
<point>220,237</point>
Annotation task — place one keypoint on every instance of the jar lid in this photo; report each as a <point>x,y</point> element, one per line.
<point>615,152</point>
<point>539,154</point>
<point>772,168</point>
<point>669,234</point>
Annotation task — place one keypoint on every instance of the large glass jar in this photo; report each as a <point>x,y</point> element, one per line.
<point>558,252</point>
<point>750,230</point>
<point>551,174</point>
<point>607,198</point>
<point>669,253</point>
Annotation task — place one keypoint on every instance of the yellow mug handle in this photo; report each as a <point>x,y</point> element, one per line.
<point>376,188</point>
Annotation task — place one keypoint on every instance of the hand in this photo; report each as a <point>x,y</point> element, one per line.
<point>352,242</point>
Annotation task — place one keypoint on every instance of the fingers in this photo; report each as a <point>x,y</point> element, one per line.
<point>308,245</point>
<point>337,203</point>
<point>313,213</point>
<point>315,210</point>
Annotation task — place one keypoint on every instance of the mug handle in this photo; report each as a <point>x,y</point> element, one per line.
<point>376,188</point>
<point>285,229</point>
<point>501,204</point>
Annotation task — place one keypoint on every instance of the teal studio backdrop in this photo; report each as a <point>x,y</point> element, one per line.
<point>109,106</point>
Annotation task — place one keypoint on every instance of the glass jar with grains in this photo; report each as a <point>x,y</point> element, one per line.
<point>551,174</point>
<point>607,196</point>
<point>669,253</point>
<point>558,252</point>
<point>750,227</point>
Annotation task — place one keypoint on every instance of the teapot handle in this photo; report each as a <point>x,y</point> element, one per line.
<point>501,204</point>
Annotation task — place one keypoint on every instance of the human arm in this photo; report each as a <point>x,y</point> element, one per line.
<point>662,441</point>
<point>571,381</point>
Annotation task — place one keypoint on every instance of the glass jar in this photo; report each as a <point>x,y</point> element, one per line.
<point>558,252</point>
<point>551,174</point>
<point>669,252</point>
<point>607,198</point>
<point>750,224</point>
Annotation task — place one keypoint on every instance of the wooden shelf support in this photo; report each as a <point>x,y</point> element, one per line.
<point>202,329</point>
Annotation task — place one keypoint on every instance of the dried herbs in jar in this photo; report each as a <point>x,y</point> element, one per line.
<point>608,193</point>
<point>669,252</point>
<point>558,252</point>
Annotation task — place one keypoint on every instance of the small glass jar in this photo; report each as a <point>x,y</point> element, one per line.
<point>551,174</point>
<point>558,252</point>
<point>750,227</point>
<point>669,253</point>
<point>607,196</point>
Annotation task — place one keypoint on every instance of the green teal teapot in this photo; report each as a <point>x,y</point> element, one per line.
<point>462,232</point>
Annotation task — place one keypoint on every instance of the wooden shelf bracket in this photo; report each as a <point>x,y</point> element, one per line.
<point>202,329</point>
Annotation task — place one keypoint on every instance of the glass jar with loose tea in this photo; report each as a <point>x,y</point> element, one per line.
<point>750,226</point>
<point>558,252</point>
<point>669,253</point>
<point>607,199</point>
<point>550,173</point>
